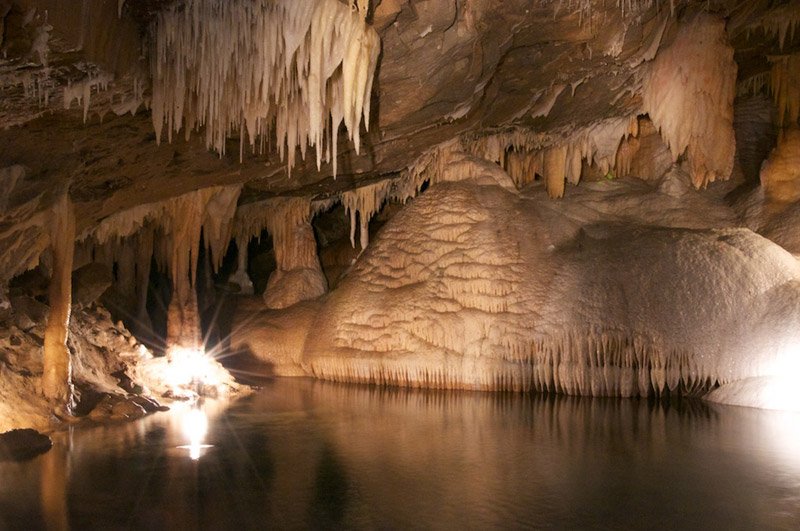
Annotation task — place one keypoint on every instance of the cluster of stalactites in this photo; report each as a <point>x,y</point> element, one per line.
<point>81,91</point>
<point>689,94</point>
<point>178,222</point>
<point>363,203</point>
<point>585,8</point>
<point>603,144</point>
<point>248,66</point>
<point>558,158</point>
<point>785,85</point>
<point>780,21</point>
<point>280,217</point>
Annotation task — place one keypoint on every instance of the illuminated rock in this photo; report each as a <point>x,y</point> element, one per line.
<point>473,287</point>
<point>780,173</point>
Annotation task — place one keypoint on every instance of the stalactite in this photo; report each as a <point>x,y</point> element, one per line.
<point>628,149</point>
<point>781,21</point>
<point>183,321</point>
<point>57,375</point>
<point>218,222</point>
<point>364,201</point>
<point>689,94</point>
<point>81,91</point>
<point>557,155</point>
<point>300,69</point>
<point>785,85</point>
<point>754,84</point>
<point>184,222</point>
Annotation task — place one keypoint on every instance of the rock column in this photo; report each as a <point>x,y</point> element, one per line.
<point>57,375</point>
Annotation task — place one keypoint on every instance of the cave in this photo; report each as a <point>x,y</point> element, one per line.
<point>399,263</point>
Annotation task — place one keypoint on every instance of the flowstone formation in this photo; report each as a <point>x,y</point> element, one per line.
<point>471,287</point>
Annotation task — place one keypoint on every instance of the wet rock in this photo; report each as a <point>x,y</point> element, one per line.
<point>88,399</point>
<point>89,283</point>
<point>21,445</point>
<point>103,409</point>
<point>117,407</point>
<point>148,404</point>
<point>126,383</point>
<point>128,408</point>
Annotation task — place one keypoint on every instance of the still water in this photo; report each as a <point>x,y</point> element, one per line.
<point>307,454</point>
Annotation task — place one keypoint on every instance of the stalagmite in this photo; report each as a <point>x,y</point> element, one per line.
<point>299,69</point>
<point>689,94</point>
<point>785,85</point>
<point>57,375</point>
<point>298,274</point>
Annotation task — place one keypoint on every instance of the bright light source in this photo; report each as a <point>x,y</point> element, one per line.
<point>783,389</point>
<point>191,368</point>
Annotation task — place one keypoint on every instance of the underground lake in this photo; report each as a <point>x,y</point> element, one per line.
<point>299,453</point>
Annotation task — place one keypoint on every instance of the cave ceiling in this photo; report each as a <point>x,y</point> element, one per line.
<point>446,69</point>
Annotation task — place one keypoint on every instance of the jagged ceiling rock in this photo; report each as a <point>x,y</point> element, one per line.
<point>447,69</point>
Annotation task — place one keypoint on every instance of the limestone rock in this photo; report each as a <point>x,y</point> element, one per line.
<point>286,288</point>
<point>275,338</point>
<point>89,282</point>
<point>473,287</point>
<point>29,312</point>
<point>128,408</point>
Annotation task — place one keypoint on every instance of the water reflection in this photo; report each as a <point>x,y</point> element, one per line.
<point>194,424</point>
<point>53,491</point>
<point>310,454</point>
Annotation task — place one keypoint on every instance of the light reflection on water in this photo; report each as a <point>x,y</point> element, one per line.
<point>194,424</point>
<point>309,454</point>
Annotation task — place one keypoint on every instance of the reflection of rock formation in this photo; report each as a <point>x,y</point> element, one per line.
<point>55,470</point>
